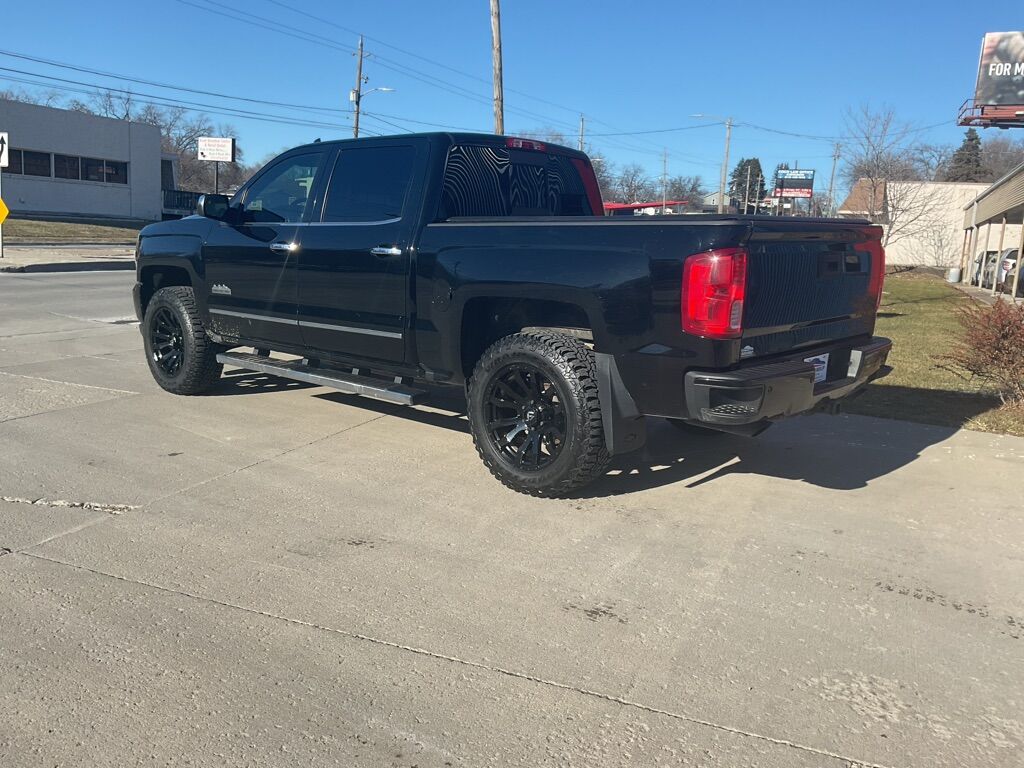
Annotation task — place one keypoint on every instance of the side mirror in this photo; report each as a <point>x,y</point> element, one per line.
<point>213,206</point>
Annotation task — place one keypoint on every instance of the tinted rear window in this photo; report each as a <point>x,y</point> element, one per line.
<point>369,184</point>
<point>491,181</point>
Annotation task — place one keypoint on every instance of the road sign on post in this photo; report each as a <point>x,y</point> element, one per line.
<point>217,150</point>
<point>5,153</point>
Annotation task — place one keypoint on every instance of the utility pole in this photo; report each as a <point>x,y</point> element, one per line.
<point>581,132</point>
<point>725,166</point>
<point>746,192</point>
<point>357,93</point>
<point>757,190</point>
<point>499,98</point>
<point>832,183</point>
<point>664,181</point>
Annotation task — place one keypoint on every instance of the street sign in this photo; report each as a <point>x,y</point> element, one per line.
<point>217,149</point>
<point>4,153</point>
<point>3,211</point>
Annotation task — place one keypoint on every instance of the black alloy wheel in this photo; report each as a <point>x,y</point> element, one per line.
<point>535,413</point>
<point>525,417</point>
<point>167,341</point>
<point>180,354</point>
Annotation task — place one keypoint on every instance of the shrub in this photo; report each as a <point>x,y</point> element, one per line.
<point>992,349</point>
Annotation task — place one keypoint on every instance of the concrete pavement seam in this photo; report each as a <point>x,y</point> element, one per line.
<point>69,383</point>
<point>56,410</point>
<point>468,663</point>
<point>61,534</point>
<point>260,461</point>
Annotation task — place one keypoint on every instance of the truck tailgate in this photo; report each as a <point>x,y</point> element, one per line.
<point>808,284</point>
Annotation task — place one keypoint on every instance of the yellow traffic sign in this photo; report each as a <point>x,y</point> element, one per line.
<point>3,211</point>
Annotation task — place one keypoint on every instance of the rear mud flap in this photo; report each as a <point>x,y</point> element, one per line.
<point>625,428</point>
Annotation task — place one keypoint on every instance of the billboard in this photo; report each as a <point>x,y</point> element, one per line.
<point>794,183</point>
<point>216,148</point>
<point>1001,70</point>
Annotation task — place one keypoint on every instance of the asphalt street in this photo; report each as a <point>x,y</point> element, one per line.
<point>279,575</point>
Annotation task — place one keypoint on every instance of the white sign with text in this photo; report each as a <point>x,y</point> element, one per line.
<point>215,148</point>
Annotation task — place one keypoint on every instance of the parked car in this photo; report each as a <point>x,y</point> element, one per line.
<point>483,262</point>
<point>1007,266</point>
<point>977,278</point>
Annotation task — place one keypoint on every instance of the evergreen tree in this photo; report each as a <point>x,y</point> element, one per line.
<point>749,188</point>
<point>966,163</point>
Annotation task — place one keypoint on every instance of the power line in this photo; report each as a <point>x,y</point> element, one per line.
<point>155,84</point>
<point>191,104</point>
<point>311,37</point>
<point>169,103</point>
<point>659,130</point>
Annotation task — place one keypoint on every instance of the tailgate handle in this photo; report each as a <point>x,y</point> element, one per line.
<point>830,265</point>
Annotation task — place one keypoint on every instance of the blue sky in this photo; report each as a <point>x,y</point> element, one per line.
<point>628,67</point>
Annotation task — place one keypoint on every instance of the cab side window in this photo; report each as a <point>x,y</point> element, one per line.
<point>369,184</point>
<point>283,192</point>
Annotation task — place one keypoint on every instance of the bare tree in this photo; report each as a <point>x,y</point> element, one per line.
<point>44,98</point>
<point>688,188</point>
<point>931,161</point>
<point>936,244</point>
<point>880,170</point>
<point>1002,154</point>
<point>633,185</point>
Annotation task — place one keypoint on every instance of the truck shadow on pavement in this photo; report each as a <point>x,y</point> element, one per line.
<point>837,452</point>
<point>239,382</point>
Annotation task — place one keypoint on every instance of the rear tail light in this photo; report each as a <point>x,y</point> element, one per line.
<point>877,279</point>
<point>714,287</point>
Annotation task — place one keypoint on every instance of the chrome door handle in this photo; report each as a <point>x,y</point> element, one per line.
<point>283,247</point>
<point>386,250</point>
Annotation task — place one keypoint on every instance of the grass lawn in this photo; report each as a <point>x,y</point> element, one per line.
<point>917,314</point>
<point>71,231</point>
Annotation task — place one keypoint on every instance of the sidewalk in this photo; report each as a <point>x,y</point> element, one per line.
<point>984,295</point>
<point>66,258</point>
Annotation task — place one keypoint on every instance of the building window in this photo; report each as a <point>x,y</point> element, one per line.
<point>14,161</point>
<point>66,167</point>
<point>36,163</point>
<point>166,174</point>
<point>92,169</point>
<point>116,173</point>
<point>27,163</point>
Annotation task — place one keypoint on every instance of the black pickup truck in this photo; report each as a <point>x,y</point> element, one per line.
<point>374,265</point>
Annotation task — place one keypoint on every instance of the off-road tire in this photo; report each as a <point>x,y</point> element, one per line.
<point>569,365</point>
<point>199,369</point>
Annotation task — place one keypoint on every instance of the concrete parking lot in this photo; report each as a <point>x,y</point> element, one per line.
<point>278,574</point>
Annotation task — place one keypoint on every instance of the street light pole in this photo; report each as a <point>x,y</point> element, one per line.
<point>725,166</point>
<point>832,183</point>
<point>664,181</point>
<point>357,93</point>
<point>499,97</point>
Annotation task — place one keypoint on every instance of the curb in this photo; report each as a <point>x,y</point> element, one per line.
<point>70,266</point>
<point>8,243</point>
